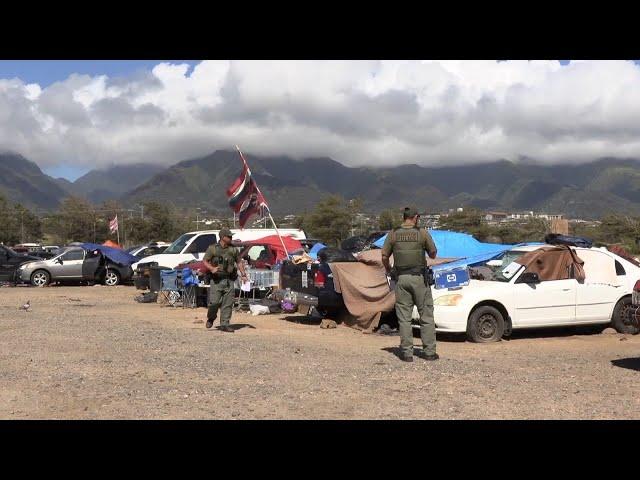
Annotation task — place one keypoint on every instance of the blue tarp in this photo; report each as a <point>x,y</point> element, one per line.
<point>313,253</point>
<point>478,259</point>
<point>458,245</point>
<point>114,254</point>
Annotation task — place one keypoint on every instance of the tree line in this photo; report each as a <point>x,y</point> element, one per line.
<point>77,220</point>
<point>332,220</point>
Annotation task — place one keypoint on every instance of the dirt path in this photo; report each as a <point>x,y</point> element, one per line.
<point>93,352</point>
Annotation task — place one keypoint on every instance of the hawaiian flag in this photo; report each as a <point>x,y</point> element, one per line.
<point>245,198</point>
<point>113,224</point>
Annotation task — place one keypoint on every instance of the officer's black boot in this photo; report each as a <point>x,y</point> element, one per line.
<point>226,328</point>
<point>424,355</point>
<point>406,357</point>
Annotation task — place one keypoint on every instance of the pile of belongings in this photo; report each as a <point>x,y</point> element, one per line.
<point>558,239</point>
<point>360,243</point>
<point>149,297</point>
<point>265,306</point>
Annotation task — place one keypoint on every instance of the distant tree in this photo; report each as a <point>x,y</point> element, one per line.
<point>8,231</point>
<point>331,220</point>
<point>74,222</point>
<point>27,224</point>
<point>389,219</point>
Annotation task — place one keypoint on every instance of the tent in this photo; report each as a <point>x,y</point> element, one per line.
<point>313,253</point>
<point>273,241</point>
<point>116,255</point>
<point>111,244</point>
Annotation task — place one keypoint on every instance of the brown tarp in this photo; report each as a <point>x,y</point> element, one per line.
<point>554,263</point>
<point>365,289</point>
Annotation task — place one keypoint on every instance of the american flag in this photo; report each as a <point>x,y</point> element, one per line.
<point>113,224</point>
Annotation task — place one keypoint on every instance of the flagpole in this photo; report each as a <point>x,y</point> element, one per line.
<point>265,206</point>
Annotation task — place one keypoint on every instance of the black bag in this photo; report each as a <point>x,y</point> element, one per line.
<point>274,305</point>
<point>558,239</point>
<point>354,244</point>
<point>336,255</point>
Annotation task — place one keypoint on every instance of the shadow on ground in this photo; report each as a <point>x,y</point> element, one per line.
<point>555,332</point>
<point>628,363</point>
<point>239,326</point>
<point>303,319</point>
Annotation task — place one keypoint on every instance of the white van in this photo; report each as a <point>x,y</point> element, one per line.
<point>192,245</point>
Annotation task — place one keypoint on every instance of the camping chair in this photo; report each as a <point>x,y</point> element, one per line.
<point>169,286</point>
<point>189,282</point>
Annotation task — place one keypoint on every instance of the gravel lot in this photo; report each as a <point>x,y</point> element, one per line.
<point>94,353</point>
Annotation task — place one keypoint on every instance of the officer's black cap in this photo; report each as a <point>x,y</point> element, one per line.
<point>225,232</point>
<point>410,212</point>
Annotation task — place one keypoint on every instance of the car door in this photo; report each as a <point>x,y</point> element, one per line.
<point>548,303</point>
<point>71,267</point>
<point>601,289</point>
<point>6,268</point>
<point>199,245</point>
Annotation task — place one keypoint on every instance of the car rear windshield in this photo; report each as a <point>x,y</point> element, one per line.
<point>179,244</point>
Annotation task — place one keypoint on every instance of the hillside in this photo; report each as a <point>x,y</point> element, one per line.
<point>292,186</point>
<point>22,181</point>
<point>110,183</point>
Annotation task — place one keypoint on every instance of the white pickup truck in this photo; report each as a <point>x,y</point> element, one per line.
<point>193,245</point>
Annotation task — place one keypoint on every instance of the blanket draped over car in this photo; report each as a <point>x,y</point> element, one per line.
<point>364,289</point>
<point>554,263</point>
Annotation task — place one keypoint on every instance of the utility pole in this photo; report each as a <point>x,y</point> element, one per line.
<point>21,226</point>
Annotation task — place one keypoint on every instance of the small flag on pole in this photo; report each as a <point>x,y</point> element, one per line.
<point>113,224</point>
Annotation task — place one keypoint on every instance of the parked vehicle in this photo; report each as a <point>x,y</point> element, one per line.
<point>513,299</point>
<point>10,260</point>
<point>74,264</point>
<point>634,310</point>
<point>144,251</point>
<point>193,245</point>
<point>516,298</point>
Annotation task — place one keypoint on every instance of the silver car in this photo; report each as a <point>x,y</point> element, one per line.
<point>67,265</point>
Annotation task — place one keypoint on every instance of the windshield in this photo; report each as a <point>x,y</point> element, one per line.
<point>179,244</point>
<point>505,271</point>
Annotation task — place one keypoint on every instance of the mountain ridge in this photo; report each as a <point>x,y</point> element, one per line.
<point>291,185</point>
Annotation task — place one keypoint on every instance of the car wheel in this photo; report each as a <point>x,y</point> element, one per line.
<point>485,324</point>
<point>620,320</point>
<point>40,278</point>
<point>111,278</point>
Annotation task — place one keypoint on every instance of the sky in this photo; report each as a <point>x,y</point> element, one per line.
<point>72,116</point>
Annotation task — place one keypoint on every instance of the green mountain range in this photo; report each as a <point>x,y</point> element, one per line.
<point>292,186</point>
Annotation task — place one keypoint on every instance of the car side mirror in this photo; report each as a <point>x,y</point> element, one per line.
<point>59,260</point>
<point>529,277</point>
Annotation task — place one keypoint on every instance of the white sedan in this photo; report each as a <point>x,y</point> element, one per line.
<point>488,309</point>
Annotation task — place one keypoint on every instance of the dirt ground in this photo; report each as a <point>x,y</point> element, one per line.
<point>95,353</point>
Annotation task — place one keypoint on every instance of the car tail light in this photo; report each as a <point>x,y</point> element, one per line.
<point>636,287</point>
<point>319,279</point>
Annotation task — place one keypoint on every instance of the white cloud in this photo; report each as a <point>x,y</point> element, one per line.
<point>358,112</point>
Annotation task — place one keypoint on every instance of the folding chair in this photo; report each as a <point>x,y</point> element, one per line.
<point>189,282</point>
<point>169,286</point>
